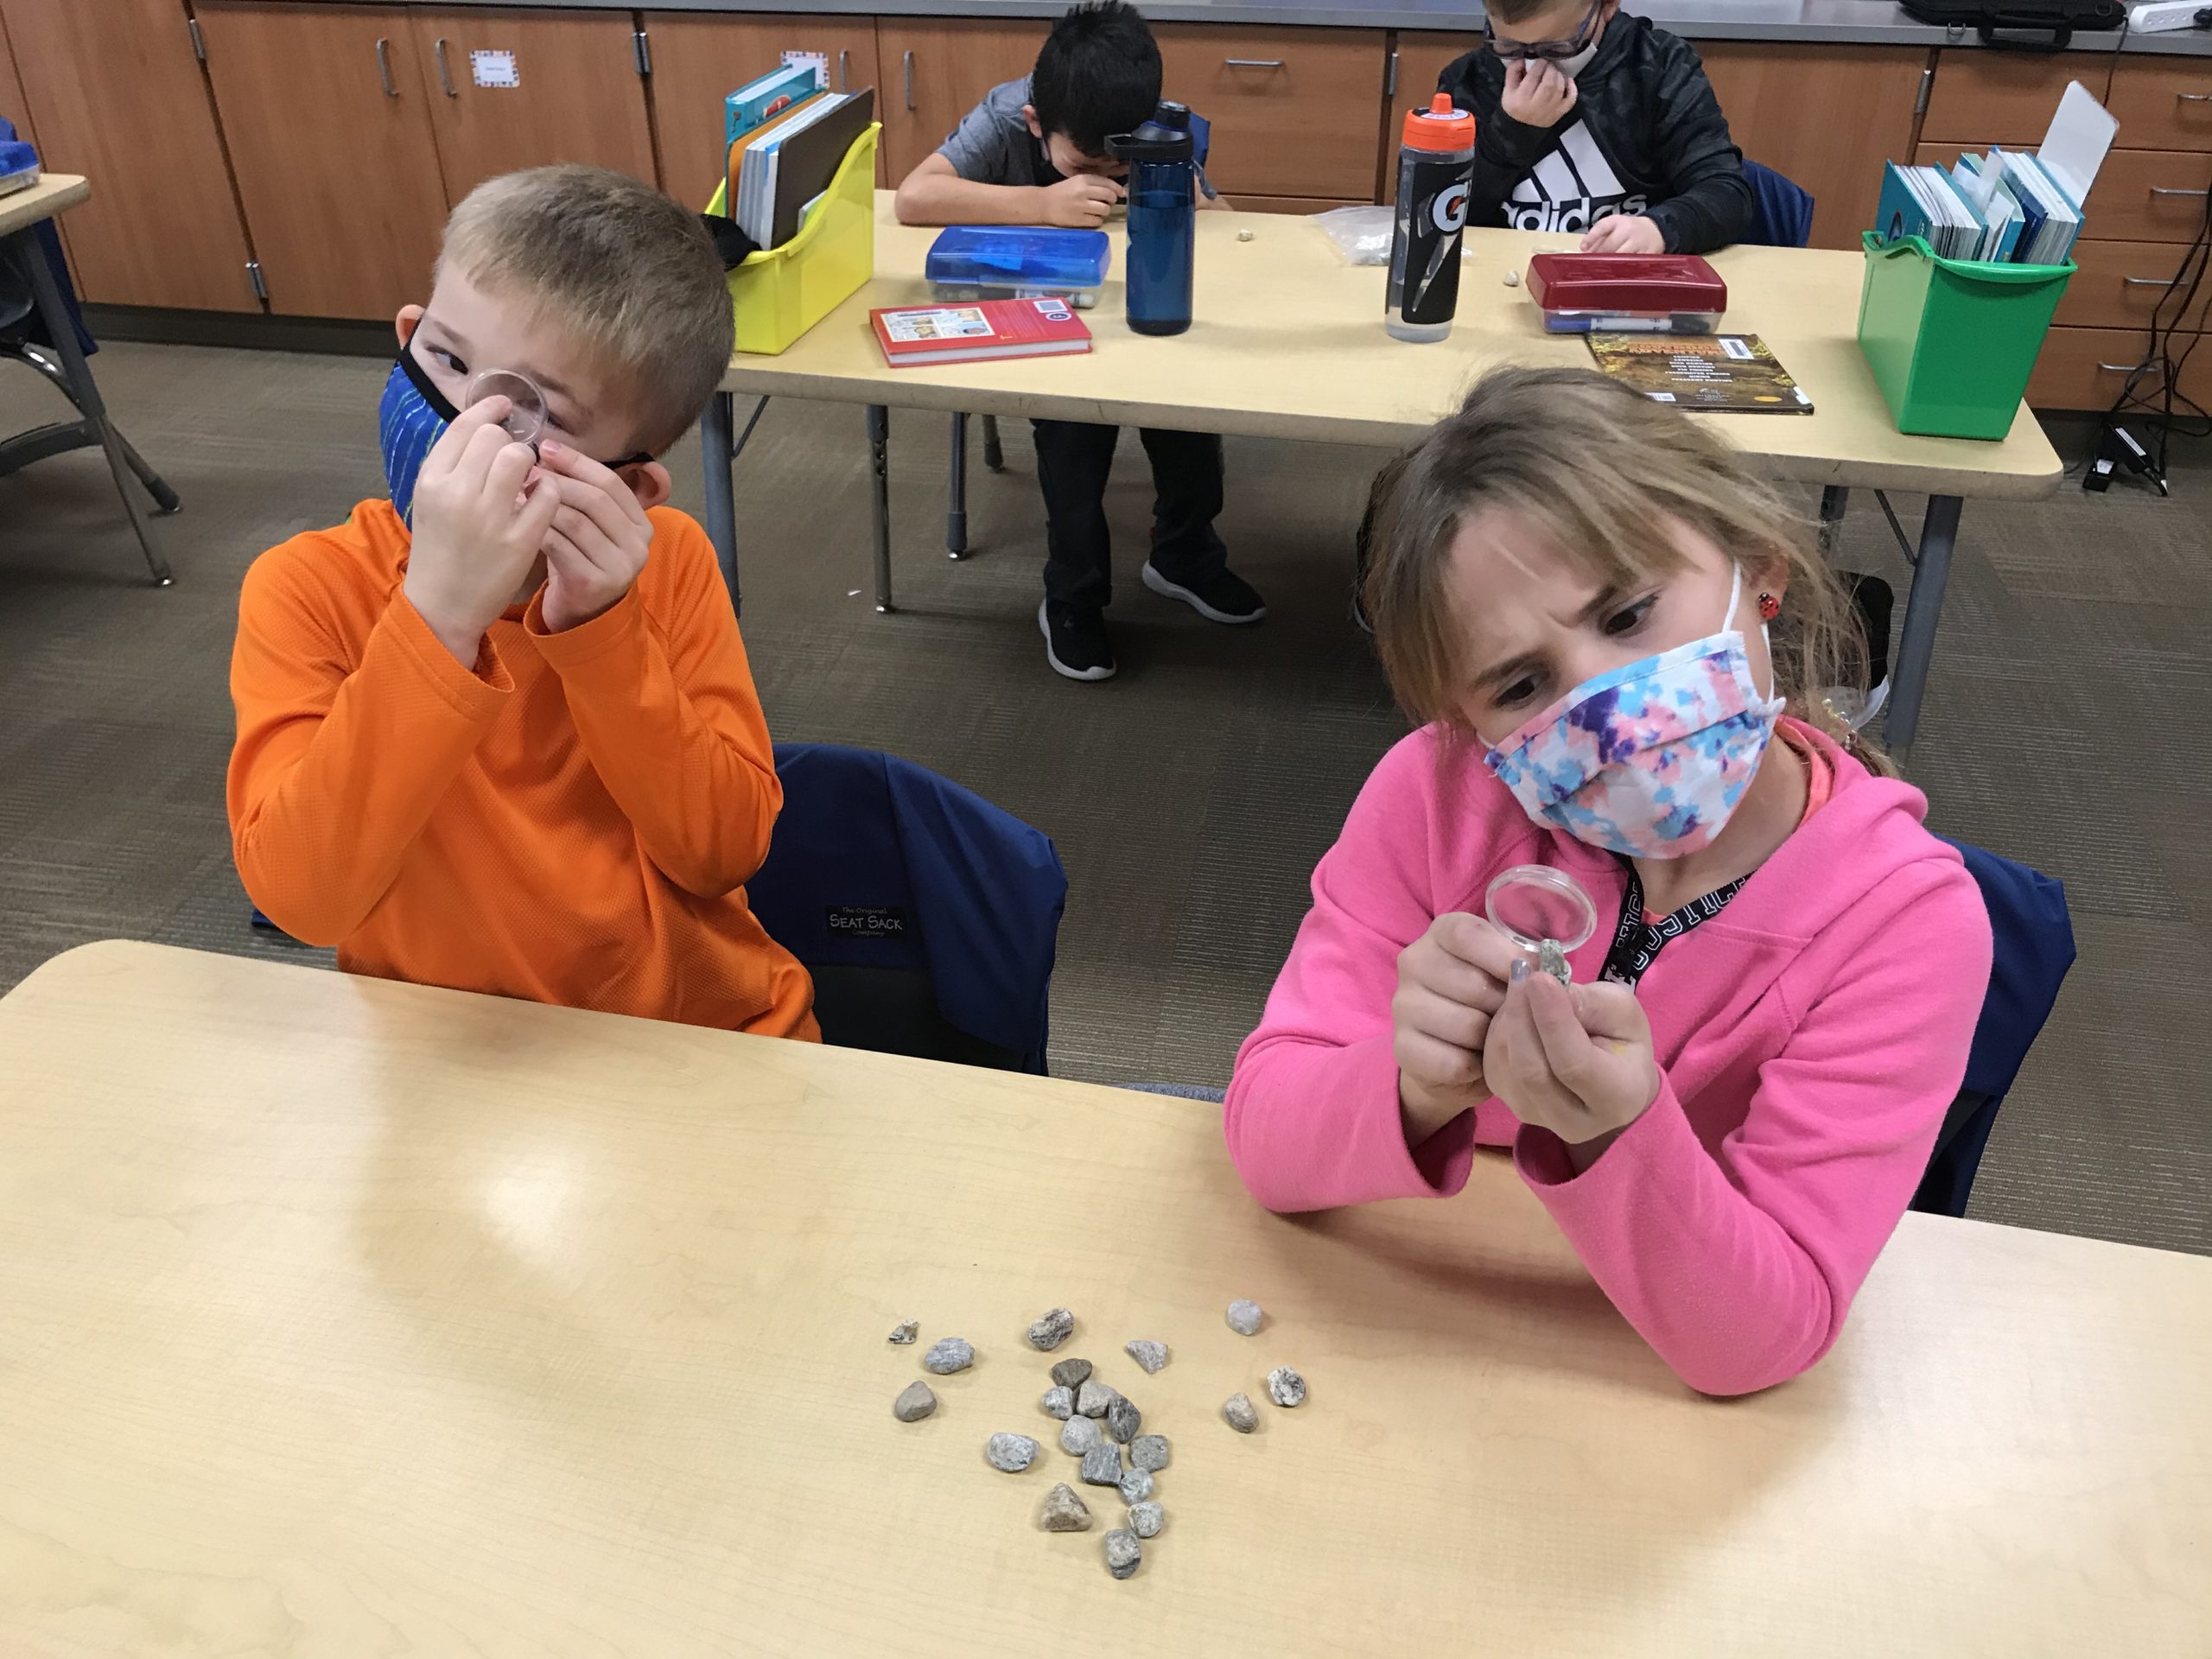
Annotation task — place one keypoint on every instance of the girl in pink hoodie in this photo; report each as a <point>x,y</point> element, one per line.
<point>1730,1107</point>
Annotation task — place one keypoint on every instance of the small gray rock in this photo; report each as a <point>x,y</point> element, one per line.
<point>1049,1332</point>
<point>915,1401</point>
<point>1286,1386</point>
<point>1102,1466</point>
<point>1058,1403</point>
<point>1244,1316</point>
<point>1011,1452</point>
<point>1072,1373</point>
<point>949,1354</point>
<point>1551,959</point>
<point>1064,1511</point>
<point>904,1334</point>
<point>1080,1435</point>
<point>1094,1398</point>
<point>1147,1518</point>
<point>1149,1452</point>
<point>1123,1420</point>
<point>1150,1355</point>
<point>1136,1485</point>
<point>1123,1553</point>
<point>1236,1411</point>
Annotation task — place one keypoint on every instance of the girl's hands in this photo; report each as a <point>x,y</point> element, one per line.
<point>1451,981</point>
<point>1576,1060</point>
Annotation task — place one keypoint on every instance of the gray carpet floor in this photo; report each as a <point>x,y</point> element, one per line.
<point>2069,726</point>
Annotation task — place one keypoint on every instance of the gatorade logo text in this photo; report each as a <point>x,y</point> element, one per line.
<point>1449,209</point>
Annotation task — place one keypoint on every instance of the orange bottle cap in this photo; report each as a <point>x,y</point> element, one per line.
<point>1439,127</point>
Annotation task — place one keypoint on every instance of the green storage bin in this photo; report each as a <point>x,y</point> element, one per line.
<point>1952,342</point>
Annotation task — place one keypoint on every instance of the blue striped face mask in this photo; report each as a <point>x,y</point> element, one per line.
<point>413,416</point>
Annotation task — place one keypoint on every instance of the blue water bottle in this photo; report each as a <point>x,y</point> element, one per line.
<point>1163,219</point>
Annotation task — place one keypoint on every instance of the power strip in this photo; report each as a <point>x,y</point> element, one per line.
<point>2156,16</point>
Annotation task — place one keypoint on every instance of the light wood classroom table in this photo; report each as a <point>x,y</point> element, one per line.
<point>346,1318</point>
<point>22,212</point>
<point>1287,341</point>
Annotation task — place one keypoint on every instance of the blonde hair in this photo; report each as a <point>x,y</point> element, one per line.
<point>631,274</point>
<point>1606,475</point>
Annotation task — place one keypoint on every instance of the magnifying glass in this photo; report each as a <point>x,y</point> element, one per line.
<point>526,418</point>
<point>1544,912</point>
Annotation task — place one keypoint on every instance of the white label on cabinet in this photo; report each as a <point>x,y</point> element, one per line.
<point>494,69</point>
<point>818,60</point>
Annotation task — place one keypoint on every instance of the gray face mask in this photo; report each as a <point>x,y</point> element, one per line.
<point>1571,67</point>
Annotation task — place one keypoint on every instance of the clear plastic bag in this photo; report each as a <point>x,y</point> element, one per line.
<point>1362,234</point>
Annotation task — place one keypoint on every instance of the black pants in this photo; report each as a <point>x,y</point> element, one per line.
<point>1073,461</point>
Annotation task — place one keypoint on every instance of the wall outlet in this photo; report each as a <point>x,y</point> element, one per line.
<point>2155,15</point>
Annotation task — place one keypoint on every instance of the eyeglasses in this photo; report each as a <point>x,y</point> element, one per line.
<point>1521,51</point>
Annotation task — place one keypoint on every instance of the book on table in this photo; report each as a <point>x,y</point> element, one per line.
<point>1733,373</point>
<point>915,335</point>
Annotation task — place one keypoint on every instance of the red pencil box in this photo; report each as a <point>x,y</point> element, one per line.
<point>1627,293</point>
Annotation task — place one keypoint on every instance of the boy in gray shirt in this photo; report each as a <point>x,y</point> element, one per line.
<point>1034,152</point>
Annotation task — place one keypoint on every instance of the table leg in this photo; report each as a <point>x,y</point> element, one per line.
<point>717,456</point>
<point>1939,534</point>
<point>956,511</point>
<point>879,446</point>
<point>86,396</point>
<point>1835,501</point>
<point>994,453</point>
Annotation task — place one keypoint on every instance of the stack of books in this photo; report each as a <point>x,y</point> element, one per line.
<point>787,137</point>
<point>2006,206</point>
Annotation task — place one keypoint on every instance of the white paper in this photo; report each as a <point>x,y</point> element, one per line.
<point>2074,149</point>
<point>818,61</point>
<point>494,69</point>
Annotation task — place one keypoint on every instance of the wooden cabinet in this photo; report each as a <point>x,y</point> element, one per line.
<point>116,93</point>
<point>1825,116</point>
<point>699,58</point>
<point>2087,368</point>
<point>2119,284</point>
<point>2141,195</point>
<point>13,105</point>
<point>328,117</point>
<point>552,85</point>
<point>934,71</point>
<point>1981,98</point>
<point>1294,111</point>
<point>1417,60</point>
<point>2162,103</point>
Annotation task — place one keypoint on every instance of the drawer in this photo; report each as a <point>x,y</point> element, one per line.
<point>1295,112</point>
<point>1980,96</point>
<point>2141,195</point>
<point>2086,368</point>
<point>2164,103</point>
<point>2116,284</point>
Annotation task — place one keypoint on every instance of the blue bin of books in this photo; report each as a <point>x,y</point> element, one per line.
<point>1952,342</point>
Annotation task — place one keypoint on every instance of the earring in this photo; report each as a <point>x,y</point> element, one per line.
<point>1770,606</point>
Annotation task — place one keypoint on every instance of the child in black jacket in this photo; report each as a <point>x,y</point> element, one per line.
<point>1588,120</point>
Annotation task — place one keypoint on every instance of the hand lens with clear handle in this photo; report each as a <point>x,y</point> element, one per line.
<point>1544,912</point>
<point>526,418</point>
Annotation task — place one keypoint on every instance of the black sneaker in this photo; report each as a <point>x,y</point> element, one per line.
<point>1076,642</point>
<point>1224,596</point>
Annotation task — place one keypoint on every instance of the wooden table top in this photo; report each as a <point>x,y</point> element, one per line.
<point>1288,342</point>
<point>55,193</point>
<point>347,1318</point>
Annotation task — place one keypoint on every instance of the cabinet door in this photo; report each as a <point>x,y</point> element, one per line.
<point>1417,61</point>
<point>2005,98</point>
<point>934,72</point>
<point>1294,111</point>
<point>15,109</point>
<point>307,94</point>
<point>1827,116</point>
<point>116,94</point>
<point>521,88</point>
<point>699,58</point>
<point>2087,368</point>
<point>2162,103</point>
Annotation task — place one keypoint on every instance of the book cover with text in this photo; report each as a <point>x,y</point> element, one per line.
<point>972,334</point>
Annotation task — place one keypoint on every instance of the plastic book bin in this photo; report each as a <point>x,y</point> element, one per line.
<point>780,293</point>
<point>1952,342</point>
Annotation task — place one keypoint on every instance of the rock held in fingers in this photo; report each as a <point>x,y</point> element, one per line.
<point>1049,1332</point>
<point>1237,1411</point>
<point>1010,1452</point>
<point>1064,1511</point>
<point>1149,1355</point>
<point>915,1401</point>
<point>1244,1316</point>
<point>949,1354</point>
<point>1286,1386</point>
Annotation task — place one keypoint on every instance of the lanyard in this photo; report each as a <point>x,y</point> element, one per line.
<point>1636,943</point>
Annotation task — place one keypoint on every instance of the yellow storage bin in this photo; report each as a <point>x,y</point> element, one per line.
<point>780,293</point>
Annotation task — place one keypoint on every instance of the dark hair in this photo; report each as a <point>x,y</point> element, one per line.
<point>1098,74</point>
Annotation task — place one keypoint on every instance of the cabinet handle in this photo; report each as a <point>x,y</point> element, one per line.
<point>445,75</point>
<point>384,68</point>
<point>2147,282</point>
<point>909,69</point>
<point>1252,63</point>
<point>2120,368</point>
<point>2168,190</point>
<point>2195,97</point>
<point>844,72</point>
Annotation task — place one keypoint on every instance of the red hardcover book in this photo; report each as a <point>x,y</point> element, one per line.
<point>913,335</point>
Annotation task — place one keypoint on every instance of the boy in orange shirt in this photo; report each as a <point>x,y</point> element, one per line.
<point>498,732</point>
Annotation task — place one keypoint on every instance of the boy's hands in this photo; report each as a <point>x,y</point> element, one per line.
<point>1577,1059</point>
<point>1625,233</point>
<point>597,541</point>
<point>1451,981</point>
<point>1537,94</point>
<point>479,521</point>
<point>1082,201</point>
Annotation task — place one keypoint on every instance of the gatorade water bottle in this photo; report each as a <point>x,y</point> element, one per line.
<point>1436,168</point>
<point>1163,230</point>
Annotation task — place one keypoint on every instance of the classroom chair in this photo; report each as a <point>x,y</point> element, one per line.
<point>2034,947</point>
<point>927,916</point>
<point>1783,217</point>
